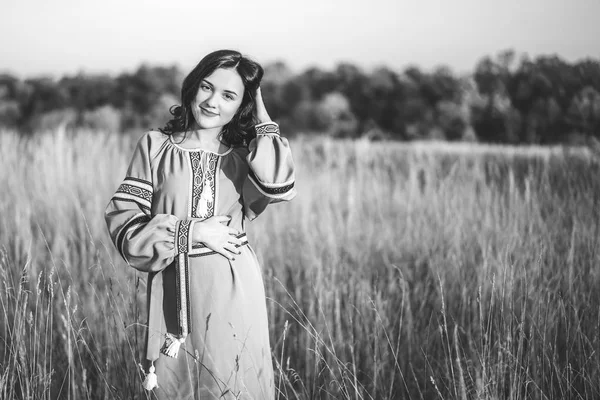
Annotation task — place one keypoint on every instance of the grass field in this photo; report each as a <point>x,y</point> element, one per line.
<point>399,272</point>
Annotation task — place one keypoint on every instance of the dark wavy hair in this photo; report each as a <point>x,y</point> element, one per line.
<point>240,130</point>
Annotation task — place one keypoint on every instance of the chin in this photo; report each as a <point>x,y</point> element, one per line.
<point>208,123</point>
<point>210,126</point>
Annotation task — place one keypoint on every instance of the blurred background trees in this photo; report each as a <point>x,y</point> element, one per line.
<point>506,99</point>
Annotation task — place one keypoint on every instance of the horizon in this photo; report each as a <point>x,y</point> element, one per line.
<point>295,70</point>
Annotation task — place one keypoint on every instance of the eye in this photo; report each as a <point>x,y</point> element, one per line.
<point>229,97</point>
<point>205,87</point>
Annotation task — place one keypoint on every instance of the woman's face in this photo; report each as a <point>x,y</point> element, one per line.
<point>219,97</point>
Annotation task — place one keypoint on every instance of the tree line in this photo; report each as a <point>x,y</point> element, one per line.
<point>505,99</point>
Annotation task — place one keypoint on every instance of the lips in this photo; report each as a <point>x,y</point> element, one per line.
<point>208,113</point>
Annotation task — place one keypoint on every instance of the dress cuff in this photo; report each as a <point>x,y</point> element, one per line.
<point>267,128</point>
<point>183,235</point>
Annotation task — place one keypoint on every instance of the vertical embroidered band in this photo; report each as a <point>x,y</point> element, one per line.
<point>183,237</point>
<point>204,167</point>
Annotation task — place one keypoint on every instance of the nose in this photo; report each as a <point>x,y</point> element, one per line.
<point>211,101</point>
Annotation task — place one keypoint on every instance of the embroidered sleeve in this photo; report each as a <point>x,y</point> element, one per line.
<point>271,176</point>
<point>146,241</point>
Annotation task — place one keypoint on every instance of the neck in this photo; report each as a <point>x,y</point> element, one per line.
<point>205,136</point>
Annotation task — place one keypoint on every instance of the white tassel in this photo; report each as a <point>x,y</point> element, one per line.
<point>151,380</point>
<point>202,206</point>
<point>172,345</point>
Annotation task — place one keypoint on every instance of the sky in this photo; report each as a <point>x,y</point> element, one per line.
<point>65,37</point>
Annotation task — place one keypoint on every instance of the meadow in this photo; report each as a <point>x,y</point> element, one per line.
<point>400,271</point>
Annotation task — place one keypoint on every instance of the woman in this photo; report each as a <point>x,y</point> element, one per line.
<point>180,215</point>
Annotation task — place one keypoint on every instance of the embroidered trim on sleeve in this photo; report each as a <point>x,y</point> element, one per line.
<point>137,191</point>
<point>267,128</point>
<point>183,237</point>
<point>271,191</point>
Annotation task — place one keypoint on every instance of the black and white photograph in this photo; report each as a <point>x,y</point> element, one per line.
<point>316,200</point>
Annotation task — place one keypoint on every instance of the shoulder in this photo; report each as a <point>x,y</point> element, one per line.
<point>152,142</point>
<point>154,137</point>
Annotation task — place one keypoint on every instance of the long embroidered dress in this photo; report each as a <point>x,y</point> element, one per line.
<point>214,307</point>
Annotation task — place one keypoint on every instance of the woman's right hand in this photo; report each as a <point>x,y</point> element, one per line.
<point>217,236</point>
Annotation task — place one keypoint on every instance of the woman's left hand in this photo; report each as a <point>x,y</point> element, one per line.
<point>261,111</point>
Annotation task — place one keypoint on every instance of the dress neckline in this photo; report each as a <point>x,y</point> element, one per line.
<point>198,149</point>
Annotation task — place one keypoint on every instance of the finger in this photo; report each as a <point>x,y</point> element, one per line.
<point>233,232</point>
<point>223,218</point>
<point>224,251</point>
<point>235,241</point>
<point>232,249</point>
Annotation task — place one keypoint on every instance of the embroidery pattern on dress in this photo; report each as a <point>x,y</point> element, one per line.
<point>182,236</point>
<point>204,167</point>
<point>196,181</point>
<point>269,190</point>
<point>135,190</point>
<point>181,277</point>
<point>203,189</point>
<point>267,129</point>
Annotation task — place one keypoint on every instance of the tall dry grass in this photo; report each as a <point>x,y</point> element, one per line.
<point>399,271</point>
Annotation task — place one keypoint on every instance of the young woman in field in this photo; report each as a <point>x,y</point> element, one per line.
<point>180,215</point>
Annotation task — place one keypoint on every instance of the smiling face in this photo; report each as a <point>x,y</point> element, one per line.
<point>219,97</point>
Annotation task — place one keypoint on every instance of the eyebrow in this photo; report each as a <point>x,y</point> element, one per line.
<point>211,84</point>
